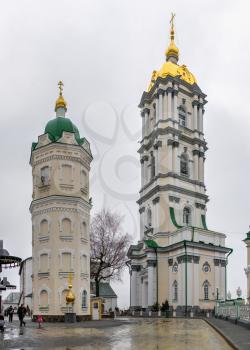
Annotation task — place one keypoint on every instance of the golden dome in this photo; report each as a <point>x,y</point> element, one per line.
<point>60,102</point>
<point>170,67</point>
<point>172,50</point>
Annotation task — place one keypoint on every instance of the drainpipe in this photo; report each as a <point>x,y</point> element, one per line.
<point>185,246</point>
<point>231,250</point>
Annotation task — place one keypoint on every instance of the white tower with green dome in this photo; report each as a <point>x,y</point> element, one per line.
<point>60,211</point>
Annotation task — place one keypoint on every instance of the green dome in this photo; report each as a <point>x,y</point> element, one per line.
<point>57,126</point>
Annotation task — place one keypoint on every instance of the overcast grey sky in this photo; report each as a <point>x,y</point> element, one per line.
<point>105,52</point>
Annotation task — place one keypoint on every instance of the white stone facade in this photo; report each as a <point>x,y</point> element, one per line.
<point>177,257</point>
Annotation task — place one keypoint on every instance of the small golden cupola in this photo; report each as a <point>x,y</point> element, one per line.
<point>172,53</point>
<point>61,104</point>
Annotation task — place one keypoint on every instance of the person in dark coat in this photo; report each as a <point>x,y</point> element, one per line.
<point>21,314</point>
<point>10,313</point>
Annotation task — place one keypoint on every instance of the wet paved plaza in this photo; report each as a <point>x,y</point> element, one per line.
<point>130,334</point>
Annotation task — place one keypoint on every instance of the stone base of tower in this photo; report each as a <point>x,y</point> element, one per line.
<point>186,267</point>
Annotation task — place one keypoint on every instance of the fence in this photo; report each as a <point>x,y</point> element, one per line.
<point>237,312</point>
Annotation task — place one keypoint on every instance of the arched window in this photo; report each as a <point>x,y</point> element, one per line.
<point>44,262</point>
<point>45,175</point>
<point>84,264</point>
<point>44,298</point>
<point>182,116</point>
<point>44,227</point>
<point>66,262</point>
<point>184,165</point>
<point>66,173</point>
<point>84,230</point>
<point>84,300</point>
<point>149,217</point>
<point>186,216</point>
<point>66,226</point>
<point>206,290</point>
<point>175,291</point>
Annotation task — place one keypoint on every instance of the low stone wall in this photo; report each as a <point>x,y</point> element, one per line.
<point>60,318</point>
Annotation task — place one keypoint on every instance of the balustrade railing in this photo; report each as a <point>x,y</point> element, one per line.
<point>240,312</point>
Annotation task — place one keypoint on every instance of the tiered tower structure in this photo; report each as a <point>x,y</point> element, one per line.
<point>60,211</point>
<point>177,257</point>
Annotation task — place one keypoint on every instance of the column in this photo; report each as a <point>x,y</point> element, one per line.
<point>170,155</point>
<point>196,164</point>
<point>160,92</point>
<point>217,278</point>
<point>170,281</point>
<point>133,285</point>
<point>156,213</point>
<point>145,168</point>
<point>156,108</point>
<point>196,294</point>
<point>142,172</point>
<point>201,167</point>
<point>175,112</point>
<point>165,106</point>
<point>151,268</point>
<point>222,279</point>
<point>175,160</point>
<point>190,281</point>
<point>156,161</point>
<point>159,157</point>
<point>169,92</point>
<point>143,124</point>
<point>195,115</point>
<point>147,121</point>
<point>200,113</point>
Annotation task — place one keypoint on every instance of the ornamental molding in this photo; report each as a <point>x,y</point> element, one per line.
<point>62,157</point>
<point>193,90</point>
<point>172,131</point>
<point>165,188</point>
<point>136,268</point>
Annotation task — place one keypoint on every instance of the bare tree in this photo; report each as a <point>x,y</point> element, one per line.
<point>109,245</point>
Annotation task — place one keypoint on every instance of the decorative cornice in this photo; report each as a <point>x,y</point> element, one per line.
<point>173,188</point>
<point>173,175</point>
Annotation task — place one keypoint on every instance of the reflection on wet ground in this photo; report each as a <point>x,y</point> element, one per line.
<point>146,334</point>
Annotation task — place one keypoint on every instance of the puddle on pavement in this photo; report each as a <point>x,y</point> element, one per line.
<point>146,334</point>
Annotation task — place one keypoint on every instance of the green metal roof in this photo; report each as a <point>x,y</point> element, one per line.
<point>150,243</point>
<point>58,125</point>
<point>106,291</point>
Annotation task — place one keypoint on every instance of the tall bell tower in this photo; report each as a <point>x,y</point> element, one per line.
<point>172,151</point>
<point>177,257</point>
<point>60,211</point>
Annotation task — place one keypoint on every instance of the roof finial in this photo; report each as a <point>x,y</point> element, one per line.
<point>172,53</point>
<point>60,102</point>
<point>172,26</point>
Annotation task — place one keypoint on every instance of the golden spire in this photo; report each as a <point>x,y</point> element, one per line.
<point>70,297</point>
<point>172,50</point>
<point>60,102</point>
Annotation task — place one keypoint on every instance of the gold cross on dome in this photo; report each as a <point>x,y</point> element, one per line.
<point>172,20</point>
<point>60,84</point>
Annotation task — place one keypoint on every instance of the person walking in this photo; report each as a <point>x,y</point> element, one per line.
<point>21,314</point>
<point>10,313</point>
